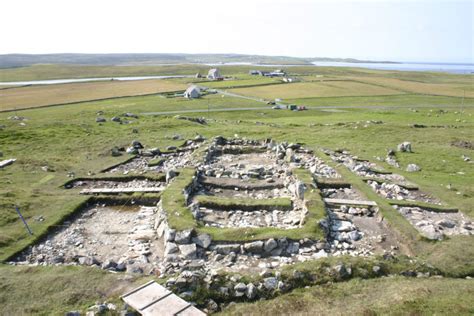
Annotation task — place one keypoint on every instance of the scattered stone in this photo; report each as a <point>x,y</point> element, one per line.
<point>270,283</point>
<point>404,147</point>
<point>100,120</point>
<point>413,168</point>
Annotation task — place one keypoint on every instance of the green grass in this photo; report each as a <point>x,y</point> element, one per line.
<point>244,204</point>
<point>394,296</point>
<point>57,290</point>
<point>173,201</point>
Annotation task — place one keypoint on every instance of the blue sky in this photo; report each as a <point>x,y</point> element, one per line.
<point>400,30</point>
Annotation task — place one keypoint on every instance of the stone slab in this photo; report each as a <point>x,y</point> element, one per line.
<point>350,202</point>
<point>121,190</point>
<point>153,299</point>
<point>7,162</point>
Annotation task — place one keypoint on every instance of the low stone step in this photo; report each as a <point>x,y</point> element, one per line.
<point>350,202</point>
<point>121,190</point>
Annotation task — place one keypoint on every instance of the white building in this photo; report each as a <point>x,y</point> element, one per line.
<point>192,92</point>
<point>214,74</point>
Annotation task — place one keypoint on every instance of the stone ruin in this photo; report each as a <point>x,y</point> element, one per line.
<point>261,176</point>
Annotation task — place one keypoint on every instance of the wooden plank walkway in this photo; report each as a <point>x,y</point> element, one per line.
<point>7,162</point>
<point>350,202</point>
<point>121,190</point>
<point>152,299</point>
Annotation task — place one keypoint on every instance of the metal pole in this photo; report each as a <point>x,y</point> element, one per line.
<point>24,222</point>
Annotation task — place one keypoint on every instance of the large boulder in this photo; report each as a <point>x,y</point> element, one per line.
<point>255,247</point>
<point>188,251</point>
<point>170,248</point>
<point>270,244</point>
<point>183,236</point>
<point>202,240</point>
<point>227,249</point>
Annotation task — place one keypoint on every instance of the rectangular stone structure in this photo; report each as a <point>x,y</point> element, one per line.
<point>153,299</point>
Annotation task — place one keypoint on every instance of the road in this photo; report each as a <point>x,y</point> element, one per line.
<point>321,108</point>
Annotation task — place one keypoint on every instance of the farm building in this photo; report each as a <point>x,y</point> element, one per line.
<point>192,92</point>
<point>255,73</point>
<point>214,74</point>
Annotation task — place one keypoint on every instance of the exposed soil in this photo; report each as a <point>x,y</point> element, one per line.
<point>465,144</point>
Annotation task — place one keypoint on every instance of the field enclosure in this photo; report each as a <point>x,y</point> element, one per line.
<point>41,95</point>
<point>316,89</point>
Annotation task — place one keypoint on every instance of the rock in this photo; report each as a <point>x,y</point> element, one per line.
<point>430,232</point>
<point>170,248</point>
<point>109,264</point>
<point>134,269</point>
<point>100,120</point>
<point>202,240</point>
<point>88,261</point>
<point>73,313</point>
<point>188,251</point>
<point>227,249</point>
<point>404,147</point>
<point>116,119</point>
<point>300,188</point>
<point>199,138</point>
<point>121,266</point>
<point>128,114</point>
<point>270,283</point>
<point>132,150</point>
<point>116,152</point>
<point>240,287</point>
<point>341,271</point>
<point>413,168</point>
<point>255,247</point>
<point>212,306</point>
<point>170,174</point>
<point>342,226</point>
<point>170,234</point>
<point>354,235</point>
<point>270,244</point>
<point>251,291</point>
<point>293,248</point>
<point>376,269</point>
<point>446,223</point>
<point>183,236</point>
<point>136,144</point>
<point>171,148</point>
